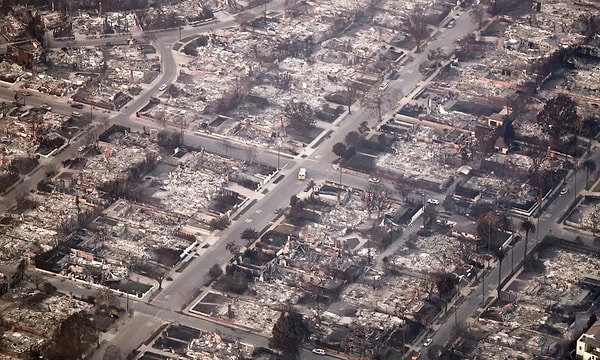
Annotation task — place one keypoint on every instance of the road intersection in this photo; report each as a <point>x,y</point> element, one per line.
<point>169,305</point>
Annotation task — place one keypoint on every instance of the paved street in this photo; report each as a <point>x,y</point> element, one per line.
<point>545,225</point>
<point>167,306</point>
<point>178,293</point>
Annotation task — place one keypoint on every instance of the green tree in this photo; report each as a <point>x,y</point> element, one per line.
<point>528,227</point>
<point>444,282</point>
<point>339,149</point>
<point>215,271</point>
<point>352,138</point>
<point>590,127</point>
<point>234,249</point>
<point>297,207</point>
<point>74,337</point>
<point>590,166</point>
<point>249,234</point>
<point>106,298</point>
<point>219,223</point>
<point>289,332</point>
<point>301,115</point>
<point>169,140</point>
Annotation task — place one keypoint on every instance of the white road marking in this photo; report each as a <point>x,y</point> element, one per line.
<point>247,221</point>
<point>258,211</point>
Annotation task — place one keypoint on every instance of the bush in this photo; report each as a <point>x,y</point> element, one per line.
<point>219,223</point>
<point>248,184</point>
<point>236,282</point>
<point>215,271</point>
<point>48,288</point>
<point>249,234</point>
<point>169,140</point>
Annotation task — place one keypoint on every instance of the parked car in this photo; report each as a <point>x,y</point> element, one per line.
<point>394,75</point>
<point>318,351</point>
<point>564,191</point>
<point>77,105</point>
<point>162,87</point>
<point>373,180</point>
<point>76,114</point>
<point>46,107</point>
<point>433,201</point>
<point>428,342</point>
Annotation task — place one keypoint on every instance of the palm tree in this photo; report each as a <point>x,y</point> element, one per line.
<point>499,254</point>
<point>528,227</point>
<point>590,166</point>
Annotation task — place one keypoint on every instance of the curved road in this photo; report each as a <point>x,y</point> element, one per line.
<point>175,295</point>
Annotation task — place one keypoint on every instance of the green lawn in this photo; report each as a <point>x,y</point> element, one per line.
<point>131,287</point>
<point>306,136</point>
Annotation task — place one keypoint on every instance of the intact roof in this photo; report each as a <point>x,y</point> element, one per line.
<point>594,331</point>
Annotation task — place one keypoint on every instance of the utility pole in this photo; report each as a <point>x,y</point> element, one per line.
<point>278,151</point>
<point>483,285</point>
<point>512,259</point>
<point>265,14</point>
<point>181,129</point>
<point>456,315</point>
<point>537,233</point>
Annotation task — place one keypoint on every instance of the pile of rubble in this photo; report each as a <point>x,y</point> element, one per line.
<point>418,160</point>
<point>116,157</point>
<point>436,253</point>
<point>249,314</point>
<point>201,176</point>
<point>212,346</point>
<point>86,59</point>
<point>36,326</point>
